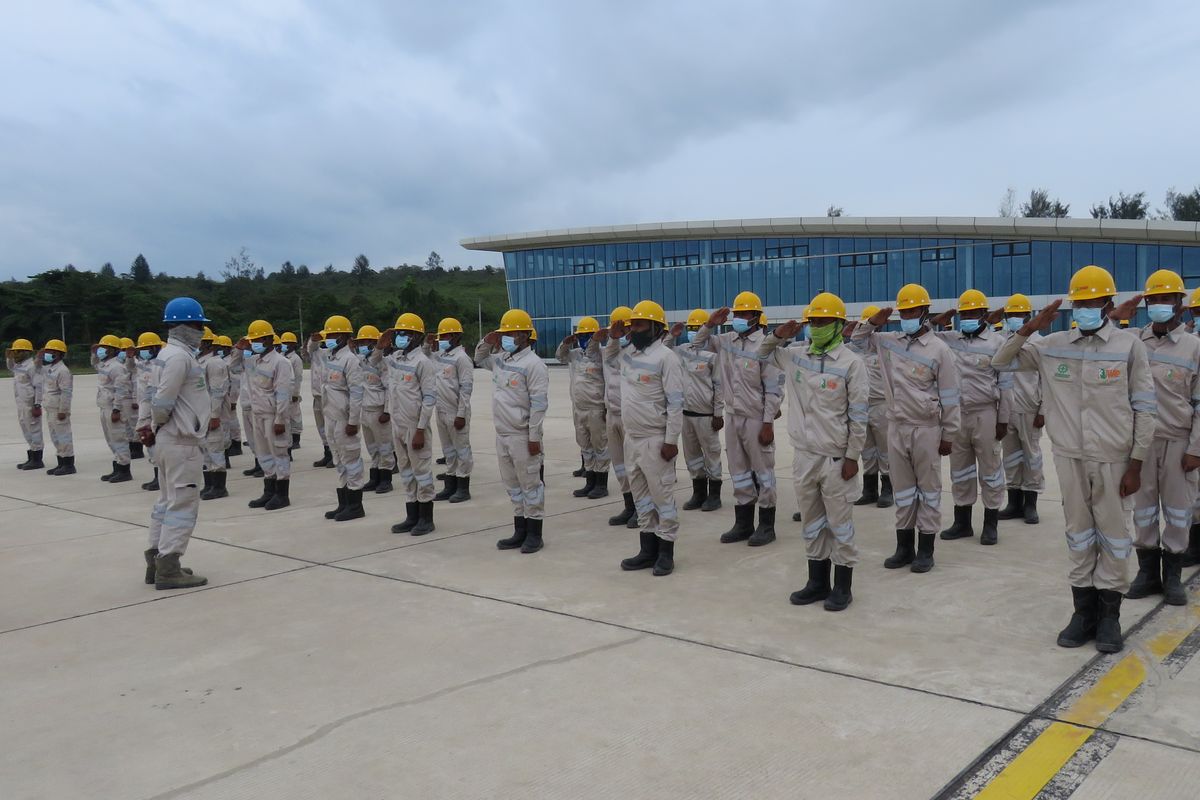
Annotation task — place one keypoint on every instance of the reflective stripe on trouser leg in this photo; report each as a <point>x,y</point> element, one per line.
<point>214,450</point>
<point>456,446</point>
<point>701,448</point>
<point>875,452</point>
<point>975,461</point>
<point>916,473</point>
<point>319,417</point>
<point>616,449</point>
<point>1167,496</point>
<point>248,437</point>
<point>591,434</point>
<point>60,434</point>
<point>749,462</point>
<point>521,475</point>
<point>377,437</point>
<point>31,426</point>
<point>347,454</point>
<point>1023,468</point>
<point>652,482</point>
<point>416,466</point>
<point>825,501</point>
<point>174,515</point>
<point>271,450</point>
<point>114,435</point>
<point>1097,521</point>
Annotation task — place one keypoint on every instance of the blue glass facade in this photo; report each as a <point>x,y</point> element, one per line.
<point>559,284</point>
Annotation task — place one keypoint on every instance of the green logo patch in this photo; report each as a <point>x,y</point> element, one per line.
<point>1063,372</point>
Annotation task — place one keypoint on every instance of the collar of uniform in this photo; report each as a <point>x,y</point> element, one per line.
<point>1147,333</point>
<point>835,353</point>
<point>747,337</point>
<point>924,338</point>
<point>1102,333</point>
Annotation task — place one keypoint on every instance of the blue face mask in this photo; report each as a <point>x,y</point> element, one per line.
<point>508,344</point>
<point>121,356</point>
<point>740,325</point>
<point>258,348</point>
<point>443,345</point>
<point>967,325</point>
<point>1088,319</point>
<point>48,358</point>
<point>623,341</point>
<point>364,349</point>
<point>911,326</point>
<point>145,355</point>
<point>804,333</point>
<point>402,341</point>
<point>1014,323</point>
<point>583,340</point>
<point>219,353</point>
<point>330,344</point>
<point>285,348</point>
<point>689,335</point>
<point>101,352</point>
<point>1160,312</point>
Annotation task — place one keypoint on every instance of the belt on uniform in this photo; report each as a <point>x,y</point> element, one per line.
<point>687,413</point>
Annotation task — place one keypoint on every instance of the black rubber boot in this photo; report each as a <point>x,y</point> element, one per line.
<point>35,460</point>
<point>235,448</point>
<point>765,532</point>
<point>324,461</point>
<point>579,473</point>
<point>373,483</point>
<point>28,457</point>
<point>111,475</point>
<point>1174,593</point>
<point>1030,510</point>
<point>280,499</point>
<point>218,489</point>
<point>295,441</point>
<point>699,494</point>
<point>66,466</point>
<point>152,484</point>
<point>268,493</point>
<point>255,471</point>
<point>743,524</point>
<point>385,481</point>
<point>989,533</point>
<point>647,554</point>
<point>885,492</point>
<point>136,450</point>
<point>1016,505</point>
<point>633,524</point>
<point>665,564</point>
<point>207,485</point>
<point>628,513</point>
<point>817,587</point>
<point>341,506</point>
<point>354,507</point>
<point>1082,627</point>
<point>533,536</point>
<point>463,491</point>
<point>588,485</point>
<point>440,461</point>
<point>410,521</point>
<point>601,488</point>
<point>870,492</point>
<point>924,560</point>
<point>169,575</point>
<point>424,519</point>
<point>54,470</point>
<point>1149,575</point>
<point>123,473</point>
<point>962,528</point>
<point>1108,627</point>
<point>713,501</point>
<point>520,530</point>
<point>449,486</point>
<point>1191,556</point>
<point>840,597</point>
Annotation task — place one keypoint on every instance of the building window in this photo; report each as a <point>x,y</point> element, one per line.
<point>935,254</point>
<point>845,261</point>
<point>1020,248</point>
<point>788,251</point>
<point>585,267</point>
<point>878,258</point>
<point>730,250</point>
<point>1001,249</point>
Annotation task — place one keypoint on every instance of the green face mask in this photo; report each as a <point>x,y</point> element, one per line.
<point>825,337</point>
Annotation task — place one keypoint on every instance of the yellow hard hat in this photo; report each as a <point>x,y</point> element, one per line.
<point>108,340</point>
<point>912,295</point>
<point>999,326</point>
<point>288,336</point>
<point>587,325</point>
<point>1091,282</point>
<point>649,311</point>
<point>368,332</point>
<point>826,305</point>
<point>126,343</point>
<point>515,320</point>
<point>275,339</point>
<point>258,329</point>
<point>208,335</point>
<point>620,314</point>
<point>409,321</point>
<point>224,341</point>
<point>338,324</point>
<point>1074,324</point>
<point>972,299</point>
<point>747,301</point>
<point>1124,323</point>
<point>22,344</point>
<point>804,315</point>
<point>1018,304</point>
<point>762,319</point>
<point>449,325</point>
<point>868,312</point>
<point>149,339</point>
<point>697,318</point>
<point>57,345</point>
<point>1195,301</point>
<point>533,334</point>
<point>1164,281</point>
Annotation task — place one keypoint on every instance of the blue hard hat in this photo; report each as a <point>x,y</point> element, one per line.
<point>184,309</point>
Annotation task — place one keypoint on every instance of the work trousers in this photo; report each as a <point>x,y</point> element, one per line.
<point>416,466</point>
<point>1097,520</point>
<point>1165,485</point>
<point>296,421</point>
<point>825,501</point>
<point>173,517</point>
<point>652,482</point>
<point>1022,445</point>
<point>521,475</point>
<point>615,428</point>
<point>751,466</point>
<point>975,460</point>
<point>271,450</point>
<point>701,448</point>
<point>129,421</point>
<point>248,428</point>
<point>233,425</point>
<point>31,426</point>
<point>347,453</point>
<point>377,436</point>
<point>916,476</point>
<point>875,448</point>
<point>214,450</point>
<point>591,434</point>
<point>60,434</point>
<point>114,435</point>
<point>319,416</point>
<point>456,446</point>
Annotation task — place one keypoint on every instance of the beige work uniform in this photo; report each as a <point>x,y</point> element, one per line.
<point>975,463</point>
<point>316,377</point>
<point>179,409</point>
<point>377,436</point>
<point>520,398</point>
<point>874,452</point>
<point>454,382</point>
<point>703,401</point>
<point>614,425</point>
<point>270,378</point>
<point>343,403</point>
<point>142,384</point>
<point>412,400</point>
<point>129,406</point>
<point>216,378</point>
<point>27,375</point>
<point>652,409</point>
<point>1100,413</point>
<point>296,421</point>
<point>247,372</point>
<point>827,422</point>
<point>920,381</point>
<point>753,389</point>
<point>233,360</point>
<point>587,385</point>
<point>1022,445</point>
<point>54,395</point>
<point>113,392</point>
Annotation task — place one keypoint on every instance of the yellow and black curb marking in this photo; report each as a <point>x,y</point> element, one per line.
<point>1050,752</point>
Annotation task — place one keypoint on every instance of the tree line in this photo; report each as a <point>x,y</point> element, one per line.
<point>1180,206</point>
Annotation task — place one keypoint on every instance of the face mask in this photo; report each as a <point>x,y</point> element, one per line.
<point>219,353</point>
<point>740,325</point>
<point>48,358</point>
<point>101,352</point>
<point>1014,323</point>
<point>689,335</point>
<point>968,325</point>
<point>121,356</point>
<point>443,345</point>
<point>285,348</point>
<point>364,349</point>
<point>642,339</point>
<point>258,347</point>
<point>145,355</point>
<point>805,332</point>
<point>186,337</point>
<point>1161,312</point>
<point>508,344</point>
<point>623,341</point>
<point>402,341</point>
<point>911,326</point>
<point>1088,319</point>
<point>825,337</point>
<point>331,344</point>
<point>583,340</point>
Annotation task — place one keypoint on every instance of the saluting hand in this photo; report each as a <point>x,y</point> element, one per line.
<point>881,317</point>
<point>788,330</point>
<point>677,329</point>
<point>942,319</point>
<point>719,317</point>
<point>1125,310</point>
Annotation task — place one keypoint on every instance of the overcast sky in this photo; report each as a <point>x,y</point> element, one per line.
<point>314,130</point>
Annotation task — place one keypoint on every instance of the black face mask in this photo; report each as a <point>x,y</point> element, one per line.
<point>642,339</point>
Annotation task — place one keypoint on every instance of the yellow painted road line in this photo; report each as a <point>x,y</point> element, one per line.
<point>1041,760</point>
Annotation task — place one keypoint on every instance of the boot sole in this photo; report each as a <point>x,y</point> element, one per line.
<point>460,498</point>
<point>629,566</point>
<point>165,587</point>
<point>1138,594</point>
<point>1072,643</point>
<point>348,517</point>
<point>710,508</point>
<point>897,565</point>
<point>1109,648</point>
<point>920,568</point>
<point>615,521</point>
<point>946,536</point>
<point>884,505</point>
<point>759,542</point>
<point>838,606</point>
<point>807,601</point>
<point>383,490</point>
<point>1033,521</point>
<point>659,573</point>
<point>726,539</point>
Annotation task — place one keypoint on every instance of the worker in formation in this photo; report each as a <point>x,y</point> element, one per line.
<point>288,347</point>
<point>375,421</point>
<point>216,379</point>
<point>876,478</point>
<point>149,344</point>
<point>581,353</point>
<point>1022,443</point>
<point>272,382</point>
<point>411,403</point>
<point>454,382</point>
<point>27,380</point>
<point>114,390</point>
<point>614,339</point>
<point>129,404</point>
<point>703,414</point>
<point>342,403</point>
<point>316,376</point>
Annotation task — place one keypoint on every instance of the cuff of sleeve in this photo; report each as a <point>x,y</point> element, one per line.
<point>1139,454</point>
<point>853,455</point>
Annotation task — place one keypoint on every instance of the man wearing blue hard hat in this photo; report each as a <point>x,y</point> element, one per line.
<point>179,415</point>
